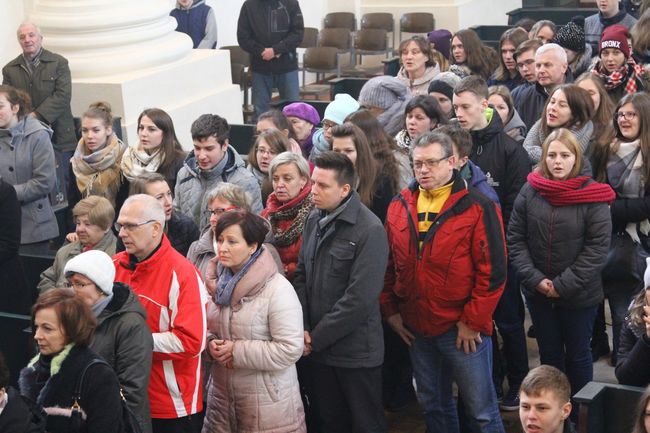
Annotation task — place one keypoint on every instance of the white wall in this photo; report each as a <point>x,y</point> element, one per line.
<point>10,16</point>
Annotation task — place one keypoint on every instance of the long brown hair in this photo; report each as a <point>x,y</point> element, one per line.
<point>365,165</point>
<point>641,103</point>
<point>480,59</point>
<point>382,145</point>
<point>580,104</point>
<point>515,36</point>
<point>170,145</point>
<point>567,138</point>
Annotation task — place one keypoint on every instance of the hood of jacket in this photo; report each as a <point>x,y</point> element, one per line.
<point>196,3</point>
<point>124,301</point>
<point>204,243</point>
<point>26,126</point>
<point>516,123</point>
<point>494,127</point>
<point>585,60</point>
<point>233,161</point>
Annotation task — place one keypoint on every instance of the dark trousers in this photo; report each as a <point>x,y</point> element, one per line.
<point>509,318</point>
<point>349,399</point>
<point>186,424</point>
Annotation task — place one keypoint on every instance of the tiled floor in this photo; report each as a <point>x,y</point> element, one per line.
<point>410,420</point>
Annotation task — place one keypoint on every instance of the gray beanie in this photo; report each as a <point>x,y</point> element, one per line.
<point>95,265</point>
<point>389,94</point>
<point>444,83</point>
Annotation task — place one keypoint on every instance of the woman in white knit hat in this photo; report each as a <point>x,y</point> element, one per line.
<point>122,336</point>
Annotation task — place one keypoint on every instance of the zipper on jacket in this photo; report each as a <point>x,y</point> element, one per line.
<point>550,241</point>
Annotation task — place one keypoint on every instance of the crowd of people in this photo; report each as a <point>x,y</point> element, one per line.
<point>349,263</point>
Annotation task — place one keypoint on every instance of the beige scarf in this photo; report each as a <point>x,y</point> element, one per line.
<point>98,173</point>
<point>136,162</point>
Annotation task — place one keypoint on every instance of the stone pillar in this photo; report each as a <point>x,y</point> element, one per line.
<point>128,53</point>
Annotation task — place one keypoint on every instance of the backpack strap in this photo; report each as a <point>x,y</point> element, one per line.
<point>76,394</point>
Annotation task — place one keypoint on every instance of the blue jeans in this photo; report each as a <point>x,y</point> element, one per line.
<point>436,364</point>
<point>564,336</point>
<point>287,85</point>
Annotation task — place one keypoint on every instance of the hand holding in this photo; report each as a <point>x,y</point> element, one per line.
<point>268,54</point>
<point>307,350</point>
<point>467,338</point>
<point>395,322</point>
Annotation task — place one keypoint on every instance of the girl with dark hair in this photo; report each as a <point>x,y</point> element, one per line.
<point>27,163</point>
<point>627,170</point>
<point>558,238</point>
<point>568,107</point>
<point>641,43</point>
<point>268,145</point>
<point>634,347</point>
<point>501,100</point>
<point>641,419</point>
<point>95,165</point>
<point>469,56</point>
<point>375,189</point>
<point>507,73</point>
<point>275,119</point>
<point>543,30</point>
<point>157,150</point>
<point>63,327</point>
<point>422,114</point>
<point>255,335</point>
<point>418,66</point>
<point>398,167</point>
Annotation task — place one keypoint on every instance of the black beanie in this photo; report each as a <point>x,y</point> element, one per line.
<point>572,35</point>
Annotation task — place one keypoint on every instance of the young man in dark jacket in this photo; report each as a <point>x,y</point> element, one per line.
<point>270,31</point>
<point>506,166</point>
<point>545,401</point>
<point>338,279</point>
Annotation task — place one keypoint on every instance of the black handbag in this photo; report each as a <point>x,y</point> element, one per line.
<point>625,260</point>
<point>130,423</point>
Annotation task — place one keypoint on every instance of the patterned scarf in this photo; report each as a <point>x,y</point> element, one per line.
<point>627,74</point>
<point>296,211</point>
<point>571,191</point>
<point>98,173</point>
<point>136,162</point>
<point>228,280</point>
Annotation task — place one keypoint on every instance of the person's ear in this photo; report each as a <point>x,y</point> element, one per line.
<point>566,410</point>
<point>345,191</point>
<point>109,130</point>
<point>252,248</point>
<point>484,104</point>
<point>303,182</point>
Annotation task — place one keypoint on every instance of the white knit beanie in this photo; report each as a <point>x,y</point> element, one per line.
<point>95,265</point>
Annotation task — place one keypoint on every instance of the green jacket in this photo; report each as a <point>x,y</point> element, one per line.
<point>50,89</point>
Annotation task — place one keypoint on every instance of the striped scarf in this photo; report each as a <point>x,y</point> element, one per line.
<point>627,74</point>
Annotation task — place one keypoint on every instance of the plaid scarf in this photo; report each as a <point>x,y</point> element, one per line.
<point>627,74</point>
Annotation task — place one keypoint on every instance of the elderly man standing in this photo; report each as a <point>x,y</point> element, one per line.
<point>552,69</point>
<point>445,274</point>
<point>172,293</point>
<point>45,77</point>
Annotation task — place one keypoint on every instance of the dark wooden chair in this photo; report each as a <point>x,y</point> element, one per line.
<point>606,407</point>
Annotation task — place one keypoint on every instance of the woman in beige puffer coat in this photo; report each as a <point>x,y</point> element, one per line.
<point>255,338</point>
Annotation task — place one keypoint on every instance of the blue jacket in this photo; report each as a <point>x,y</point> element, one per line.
<point>475,177</point>
<point>198,22</point>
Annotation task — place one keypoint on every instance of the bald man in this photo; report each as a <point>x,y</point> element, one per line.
<point>172,293</point>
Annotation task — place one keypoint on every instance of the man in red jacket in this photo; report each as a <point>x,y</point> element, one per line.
<point>172,293</point>
<point>446,272</point>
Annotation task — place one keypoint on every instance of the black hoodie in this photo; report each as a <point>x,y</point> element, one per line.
<point>271,23</point>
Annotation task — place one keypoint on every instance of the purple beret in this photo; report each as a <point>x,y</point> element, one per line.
<point>442,39</point>
<point>302,111</point>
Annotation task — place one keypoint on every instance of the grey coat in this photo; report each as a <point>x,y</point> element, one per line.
<point>54,277</point>
<point>50,89</point>
<point>27,162</point>
<point>535,139</point>
<point>194,184</point>
<point>339,277</point>
<point>124,340</point>
<point>566,244</point>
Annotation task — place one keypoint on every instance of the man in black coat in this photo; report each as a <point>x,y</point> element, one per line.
<point>506,167</point>
<point>339,277</point>
<point>270,31</point>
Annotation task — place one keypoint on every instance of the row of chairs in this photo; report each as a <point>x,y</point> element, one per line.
<point>415,22</point>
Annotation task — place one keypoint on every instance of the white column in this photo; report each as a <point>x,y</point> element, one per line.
<point>128,53</point>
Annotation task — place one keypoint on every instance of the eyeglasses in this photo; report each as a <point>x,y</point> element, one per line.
<point>265,151</point>
<point>220,210</point>
<point>76,286</point>
<point>627,115</point>
<point>328,125</point>
<point>526,63</point>
<point>130,227</point>
<point>429,163</point>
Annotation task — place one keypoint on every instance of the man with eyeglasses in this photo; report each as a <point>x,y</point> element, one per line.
<point>446,272</point>
<point>506,166</point>
<point>174,297</point>
<point>525,58</point>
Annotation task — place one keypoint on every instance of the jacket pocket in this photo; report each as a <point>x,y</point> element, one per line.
<point>271,385</point>
<point>341,255</point>
<point>41,211</point>
<point>280,20</point>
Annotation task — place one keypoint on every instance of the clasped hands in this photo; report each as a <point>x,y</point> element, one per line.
<point>221,351</point>
<point>546,288</point>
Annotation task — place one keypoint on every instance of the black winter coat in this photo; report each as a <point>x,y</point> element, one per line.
<point>17,417</point>
<point>276,24</point>
<point>504,161</point>
<point>100,394</point>
<point>633,357</point>
<point>566,244</point>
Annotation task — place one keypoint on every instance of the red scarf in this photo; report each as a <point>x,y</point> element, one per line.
<point>628,74</point>
<point>571,191</point>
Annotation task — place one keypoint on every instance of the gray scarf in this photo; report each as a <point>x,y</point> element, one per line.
<point>228,281</point>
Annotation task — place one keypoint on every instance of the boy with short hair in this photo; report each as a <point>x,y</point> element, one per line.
<point>545,396</point>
